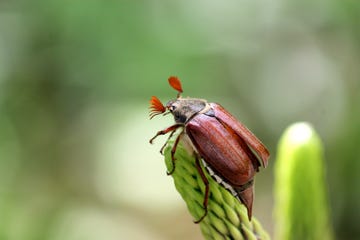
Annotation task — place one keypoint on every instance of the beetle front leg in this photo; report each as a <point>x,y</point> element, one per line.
<point>207,188</point>
<point>165,131</point>
<point>162,148</point>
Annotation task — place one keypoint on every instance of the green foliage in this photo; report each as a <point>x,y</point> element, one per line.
<point>301,207</point>
<point>227,217</point>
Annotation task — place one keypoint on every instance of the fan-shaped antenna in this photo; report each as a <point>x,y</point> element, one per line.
<point>156,107</point>
<point>175,84</point>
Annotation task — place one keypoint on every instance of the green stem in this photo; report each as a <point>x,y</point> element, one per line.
<point>227,217</point>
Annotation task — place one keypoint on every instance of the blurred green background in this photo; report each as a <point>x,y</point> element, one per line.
<point>76,77</point>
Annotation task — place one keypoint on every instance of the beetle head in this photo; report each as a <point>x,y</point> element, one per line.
<point>181,108</point>
<point>184,108</point>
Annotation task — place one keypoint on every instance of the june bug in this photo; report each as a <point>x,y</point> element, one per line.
<point>230,152</point>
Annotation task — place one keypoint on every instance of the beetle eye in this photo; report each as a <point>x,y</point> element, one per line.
<point>172,108</point>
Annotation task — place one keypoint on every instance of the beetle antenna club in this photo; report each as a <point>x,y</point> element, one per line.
<point>229,151</point>
<point>156,107</point>
<point>175,84</point>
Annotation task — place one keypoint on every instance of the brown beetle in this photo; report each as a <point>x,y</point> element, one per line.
<point>231,153</point>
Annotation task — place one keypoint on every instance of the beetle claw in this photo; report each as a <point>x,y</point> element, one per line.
<point>162,149</point>
<point>202,217</point>
<point>152,139</point>
<point>171,172</point>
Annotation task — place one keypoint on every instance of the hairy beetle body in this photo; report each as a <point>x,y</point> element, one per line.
<point>230,152</point>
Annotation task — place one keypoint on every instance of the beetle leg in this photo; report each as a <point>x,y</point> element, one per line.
<point>206,183</point>
<point>165,131</point>
<point>162,148</point>
<point>173,150</point>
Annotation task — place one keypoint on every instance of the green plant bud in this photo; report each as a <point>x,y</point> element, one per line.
<point>301,206</point>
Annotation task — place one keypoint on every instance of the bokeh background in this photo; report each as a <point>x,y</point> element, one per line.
<point>76,77</point>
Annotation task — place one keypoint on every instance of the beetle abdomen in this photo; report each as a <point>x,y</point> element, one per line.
<point>244,193</point>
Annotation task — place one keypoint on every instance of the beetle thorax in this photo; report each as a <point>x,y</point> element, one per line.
<point>184,109</point>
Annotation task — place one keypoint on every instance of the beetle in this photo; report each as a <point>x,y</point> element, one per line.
<point>230,152</point>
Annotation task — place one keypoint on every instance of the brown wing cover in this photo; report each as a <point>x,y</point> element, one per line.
<point>222,149</point>
<point>243,132</point>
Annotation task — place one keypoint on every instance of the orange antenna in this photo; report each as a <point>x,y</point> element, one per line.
<point>156,107</point>
<point>175,84</point>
